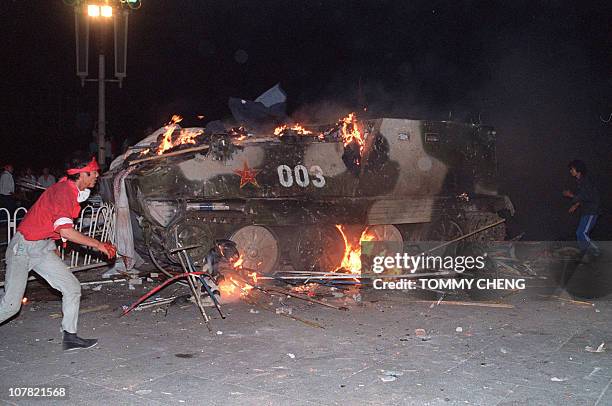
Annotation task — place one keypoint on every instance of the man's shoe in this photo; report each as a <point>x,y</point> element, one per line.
<point>74,342</point>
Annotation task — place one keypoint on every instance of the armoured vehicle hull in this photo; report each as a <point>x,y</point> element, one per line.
<point>281,197</point>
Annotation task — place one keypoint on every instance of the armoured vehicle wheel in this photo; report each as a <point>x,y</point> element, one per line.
<point>446,230</point>
<point>388,237</point>
<point>318,248</point>
<point>258,247</point>
<point>386,232</point>
<point>191,230</point>
<point>476,220</point>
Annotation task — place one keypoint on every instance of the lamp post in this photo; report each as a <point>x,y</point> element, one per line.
<point>100,12</point>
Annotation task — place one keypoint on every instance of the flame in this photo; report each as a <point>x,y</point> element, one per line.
<point>296,127</point>
<point>24,300</point>
<point>351,261</point>
<point>349,127</point>
<point>227,288</point>
<point>254,276</point>
<point>239,132</point>
<point>232,289</point>
<point>145,151</point>
<point>166,142</point>
<point>239,262</point>
<point>184,137</point>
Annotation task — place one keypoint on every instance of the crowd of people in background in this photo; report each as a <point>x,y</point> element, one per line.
<point>21,187</point>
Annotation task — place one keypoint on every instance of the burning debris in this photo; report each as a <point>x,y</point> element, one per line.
<point>298,129</point>
<point>175,136</point>
<point>173,139</point>
<point>351,261</point>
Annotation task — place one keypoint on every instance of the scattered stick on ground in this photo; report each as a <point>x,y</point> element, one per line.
<point>304,297</point>
<point>578,302</point>
<point>458,303</point>
<point>252,301</point>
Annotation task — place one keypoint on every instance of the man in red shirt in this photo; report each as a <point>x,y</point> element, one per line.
<point>33,248</point>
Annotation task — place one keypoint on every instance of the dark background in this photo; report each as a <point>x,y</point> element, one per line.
<point>539,71</point>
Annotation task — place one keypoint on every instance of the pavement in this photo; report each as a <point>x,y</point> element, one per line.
<point>530,352</point>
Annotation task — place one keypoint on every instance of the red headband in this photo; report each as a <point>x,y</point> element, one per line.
<point>90,167</point>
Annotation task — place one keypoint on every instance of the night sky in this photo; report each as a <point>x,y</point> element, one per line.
<point>539,71</point>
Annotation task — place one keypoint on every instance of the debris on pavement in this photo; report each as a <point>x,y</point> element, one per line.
<point>419,332</point>
<point>103,282</point>
<point>466,303</point>
<point>284,310</point>
<point>158,301</point>
<point>601,348</point>
<point>566,300</point>
<point>388,378</point>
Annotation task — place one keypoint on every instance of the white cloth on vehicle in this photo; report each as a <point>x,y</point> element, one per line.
<point>123,224</point>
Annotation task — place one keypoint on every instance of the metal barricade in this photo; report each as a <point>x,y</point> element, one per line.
<point>8,225</point>
<point>94,221</point>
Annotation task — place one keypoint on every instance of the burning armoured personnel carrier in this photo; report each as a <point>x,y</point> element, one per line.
<point>299,195</point>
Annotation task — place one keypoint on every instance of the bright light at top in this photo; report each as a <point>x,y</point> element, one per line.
<point>93,10</point>
<point>107,11</point>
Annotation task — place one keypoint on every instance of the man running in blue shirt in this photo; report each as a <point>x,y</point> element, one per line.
<point>587,199</point>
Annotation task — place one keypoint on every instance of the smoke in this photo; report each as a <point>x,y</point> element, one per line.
<point>538,88</point>
<point>322,112</point>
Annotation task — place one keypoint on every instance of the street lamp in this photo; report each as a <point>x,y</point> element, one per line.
<point>106,11</point>
<point>100,11</point>
<point>95,10</point>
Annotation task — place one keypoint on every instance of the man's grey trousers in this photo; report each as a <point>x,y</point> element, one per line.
<point>23,256</point>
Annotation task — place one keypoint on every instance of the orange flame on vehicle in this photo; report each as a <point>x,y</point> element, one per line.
<point>166,142</point>
<point>349,127</point>
<point>351,261</point>
<point>296,127</point>
<point>184,137</point>
<point>175,119</point>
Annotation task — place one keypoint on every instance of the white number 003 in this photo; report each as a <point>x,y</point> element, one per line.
<point>301,176</point>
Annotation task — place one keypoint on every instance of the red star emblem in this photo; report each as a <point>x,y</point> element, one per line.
<point>247,175</point>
